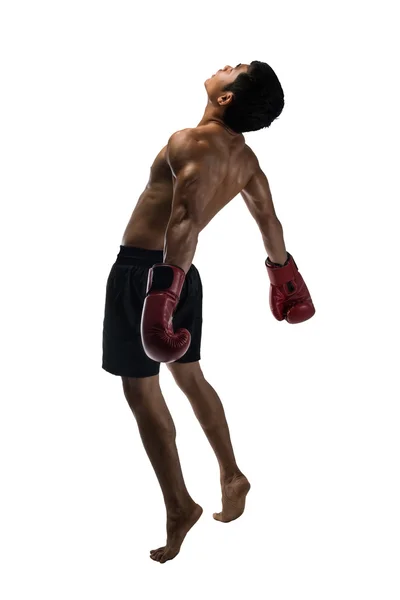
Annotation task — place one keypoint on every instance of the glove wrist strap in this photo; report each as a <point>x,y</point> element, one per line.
<point>165,278</point>
<point>281,275</point>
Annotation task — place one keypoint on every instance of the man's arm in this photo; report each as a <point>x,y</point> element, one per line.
<point>258,199</point>
<point>289,296</point>
<point>186,159</point>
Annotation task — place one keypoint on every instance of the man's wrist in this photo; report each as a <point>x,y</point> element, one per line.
<point>278,260</point>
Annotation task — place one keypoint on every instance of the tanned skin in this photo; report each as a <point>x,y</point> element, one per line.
<point>167,219</point>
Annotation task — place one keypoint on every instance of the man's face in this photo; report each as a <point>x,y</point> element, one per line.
<point>223,77</point>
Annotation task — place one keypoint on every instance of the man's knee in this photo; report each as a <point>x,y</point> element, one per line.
<point>188,376</point>
<point>139,389</point>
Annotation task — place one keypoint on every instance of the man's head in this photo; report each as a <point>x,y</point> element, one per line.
<point>250,96</point>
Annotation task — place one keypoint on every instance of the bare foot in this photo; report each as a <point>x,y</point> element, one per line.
<point>234,492</point>
<point>177,528</point>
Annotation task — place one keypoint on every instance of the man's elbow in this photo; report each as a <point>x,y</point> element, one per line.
<point>183,225</point>
<point>186,205</point>
<point>185,213</point>
<point>267,221</point>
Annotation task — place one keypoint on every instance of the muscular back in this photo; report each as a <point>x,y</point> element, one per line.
<point>230,165</point>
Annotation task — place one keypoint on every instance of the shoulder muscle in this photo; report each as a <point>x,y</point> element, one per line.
<point>186,154</point>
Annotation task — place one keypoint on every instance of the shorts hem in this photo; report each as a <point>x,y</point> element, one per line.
<point>119,373</point>
<point>188,360</point>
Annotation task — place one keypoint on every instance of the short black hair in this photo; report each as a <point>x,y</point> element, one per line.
<point>258,99</point>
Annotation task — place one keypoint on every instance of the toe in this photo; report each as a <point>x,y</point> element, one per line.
<point>217,516</point>
<point>155,554</point>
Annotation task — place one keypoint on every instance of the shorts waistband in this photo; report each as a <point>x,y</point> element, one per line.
<point>130,255</point>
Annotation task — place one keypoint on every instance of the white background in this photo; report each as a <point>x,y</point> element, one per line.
<point>91,91</point>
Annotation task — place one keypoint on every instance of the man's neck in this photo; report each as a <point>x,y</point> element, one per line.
<point>221,124</point>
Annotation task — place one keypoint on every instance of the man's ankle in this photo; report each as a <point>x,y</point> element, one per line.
<point>229,474</point>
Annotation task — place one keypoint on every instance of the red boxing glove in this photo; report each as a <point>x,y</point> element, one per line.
<point>164,287</point>
<point>289,297</point>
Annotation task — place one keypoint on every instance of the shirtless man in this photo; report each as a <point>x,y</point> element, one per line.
<point>153,309</point>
